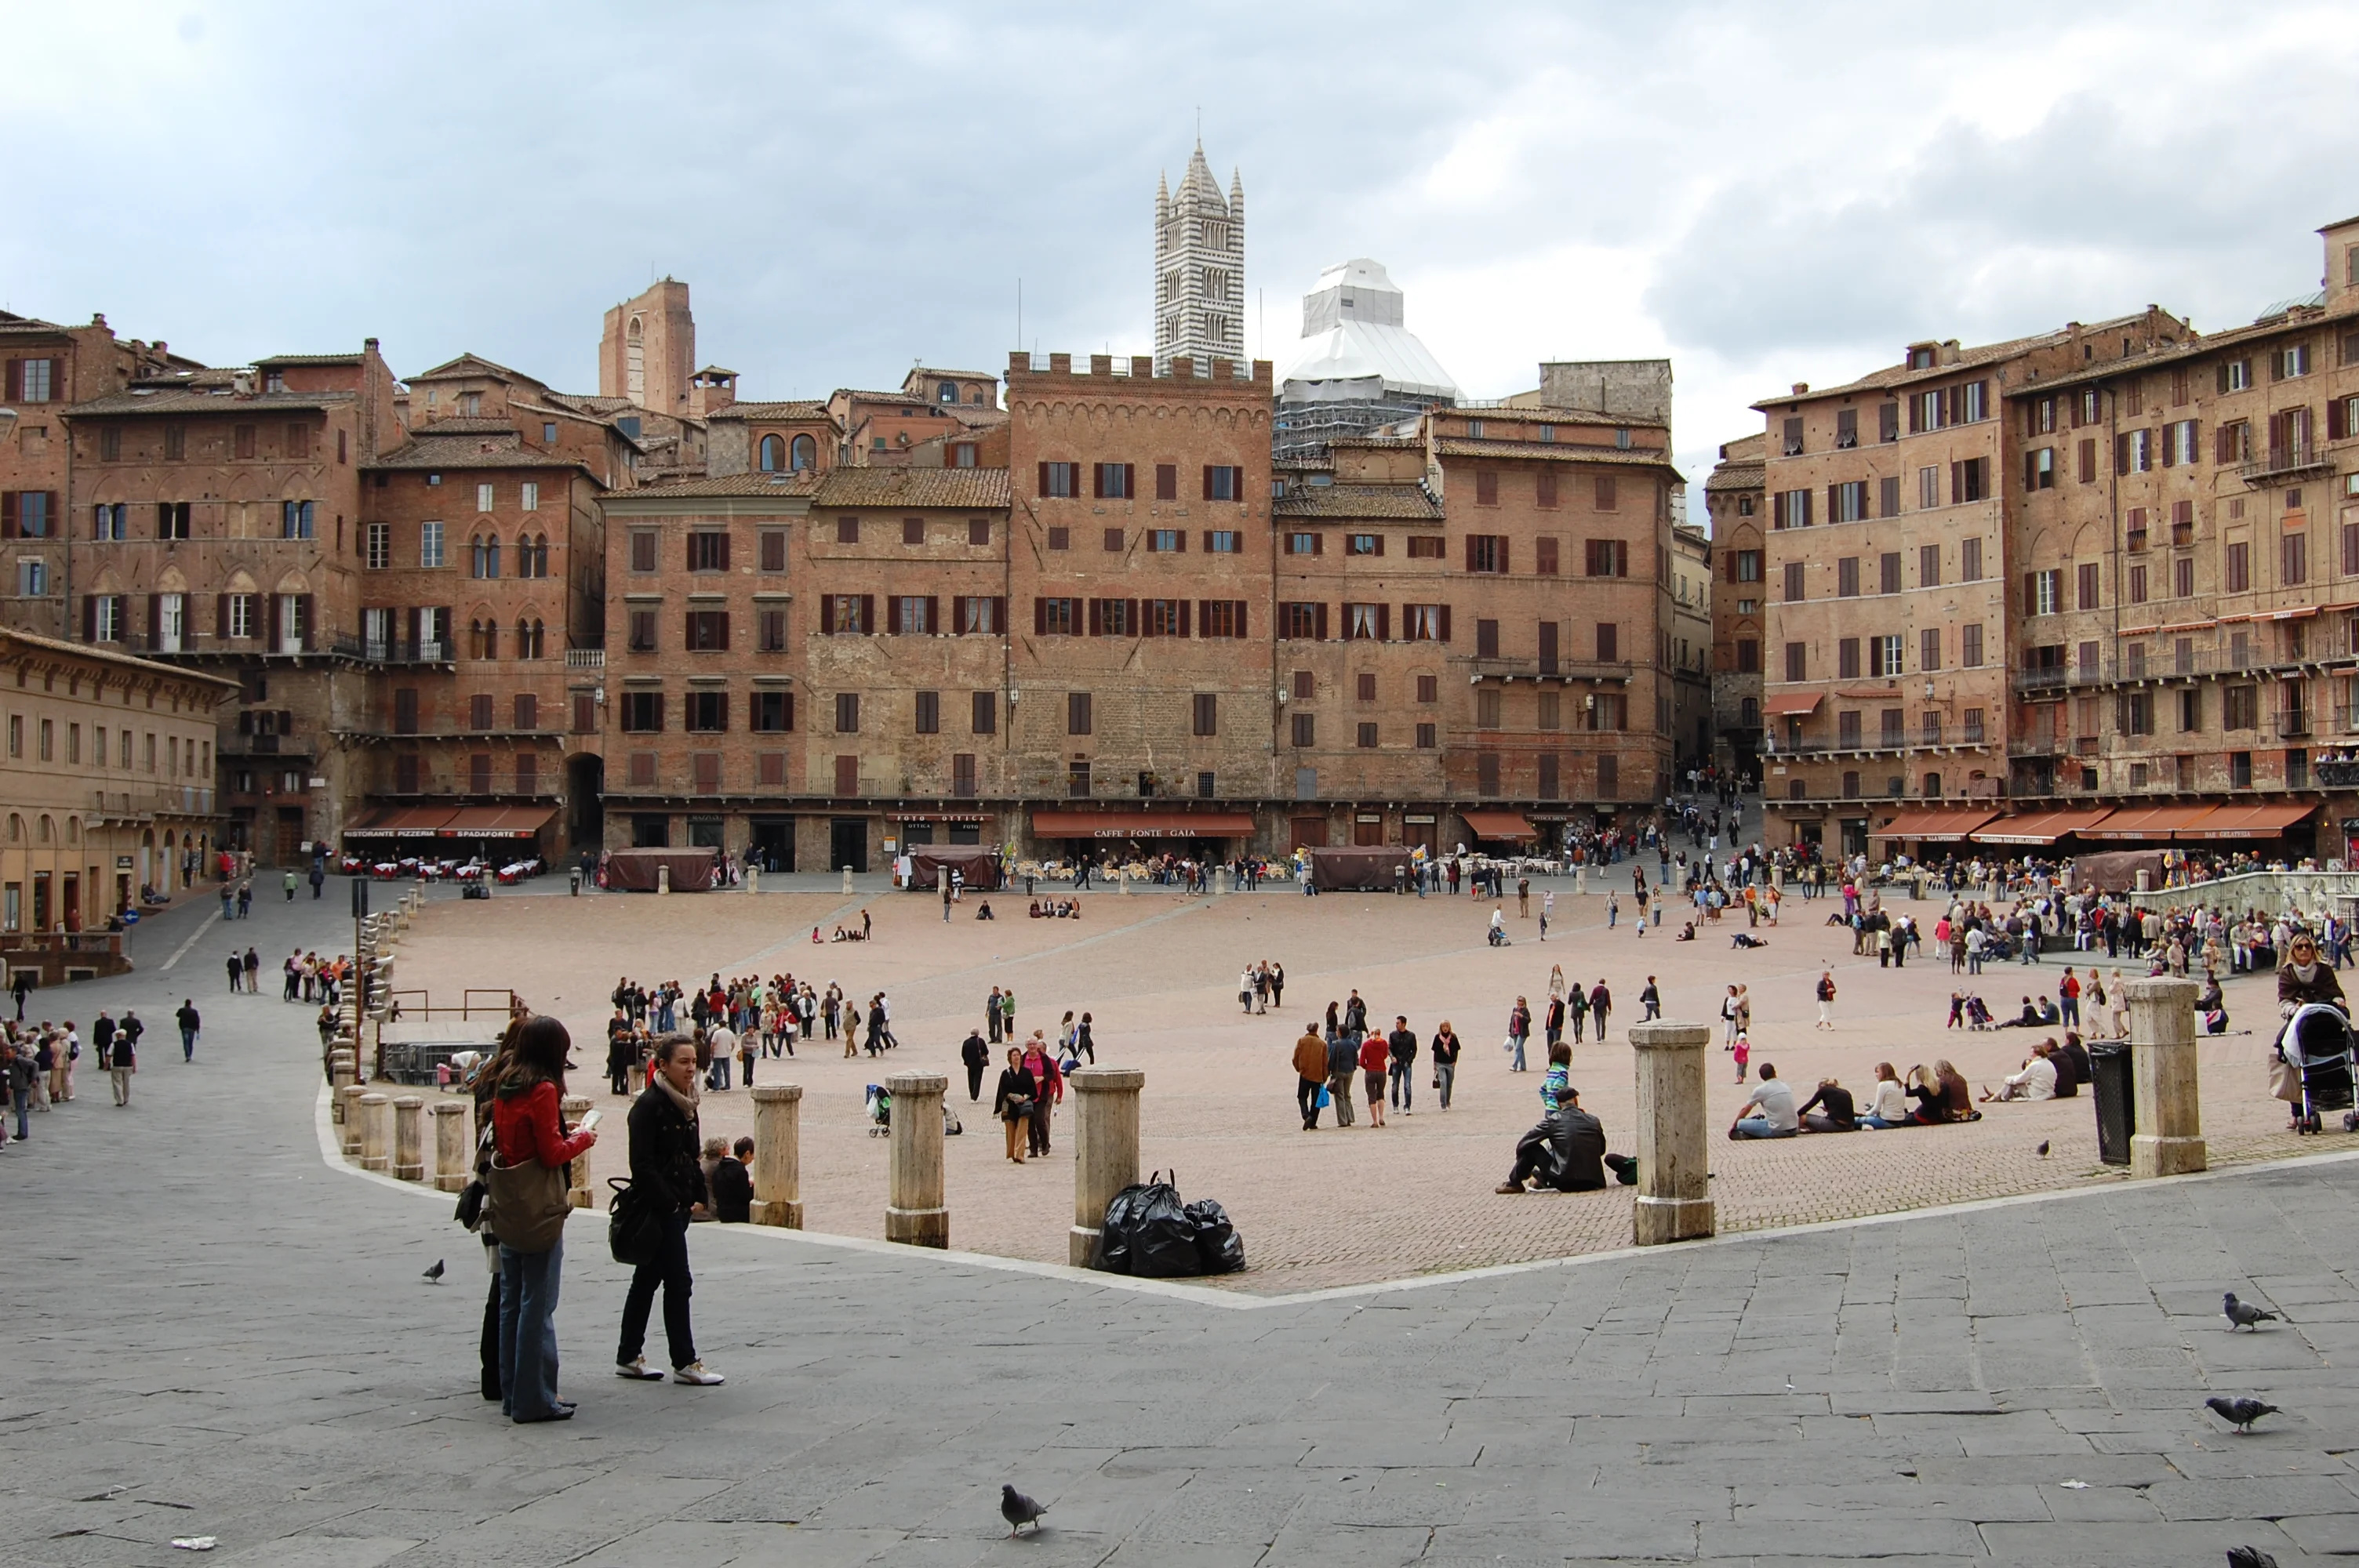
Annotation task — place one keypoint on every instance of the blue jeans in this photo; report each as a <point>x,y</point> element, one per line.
<point>1758,1127</point>
<point>1873,1121</point>
<point>23,1100</point>
<point>1517,1065</point>
<point>1448,1072</point>
<point>188,1044</point>
<point>528,1331</point>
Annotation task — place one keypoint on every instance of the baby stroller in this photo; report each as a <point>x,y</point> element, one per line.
<point>2317,1042</point>
<point>880,1111</point>
<point>1978,1015</point>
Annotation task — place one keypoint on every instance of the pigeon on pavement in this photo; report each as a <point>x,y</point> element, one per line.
<point>2250,1557</point>
<point>2244,1314</point>
<point>2241,1412</point>
<point>2042,1149</point>
<point>434,1276</point>
<point>1019,1510</point>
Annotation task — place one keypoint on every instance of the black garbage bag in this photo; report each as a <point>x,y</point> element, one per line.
<point>1219,1250</point>
<point>1113,1231</point>
<point>1162,1237</point>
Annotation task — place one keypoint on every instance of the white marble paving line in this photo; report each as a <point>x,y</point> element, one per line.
<point>331,1152</point>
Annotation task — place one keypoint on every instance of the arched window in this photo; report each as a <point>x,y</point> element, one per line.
<point>774,454</point>
<point>540,555</point>
<point>484,639</point>
<point>1750,717</point>
<point>806,456</point>
<point>486,562</point>
<point>528,639</point>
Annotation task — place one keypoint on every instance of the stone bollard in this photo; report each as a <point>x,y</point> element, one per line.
<point>1674,1172</point>
<point>752,879</point>
<point>373,1114</point>
<point>2167,1137</point>
<point>451,1166</point>
<point>914,1208</point>
<point>663,879</point>
<point>348,1113</point>
<point>1220,880</point>
<point>572,1108</point>
<point>779,1155</point>
<point>1581,879</point>
<point>1778,878</point>
<point>1123,880</point>
<point>408,1138</point>
<point>847,881</point>
<point>1105,1150</point>
<point>343,1067</point>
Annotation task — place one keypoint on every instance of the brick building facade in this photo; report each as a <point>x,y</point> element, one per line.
<point>1735,503</point>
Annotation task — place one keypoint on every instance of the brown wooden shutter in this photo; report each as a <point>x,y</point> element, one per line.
<point>1208,541</point>
<point>272,645</point>
<point>1130,482</point>
<point>1130,615</point>
<point>1503,555</point>
<point>2030,593</point>
<point>827,614</point>
<point>89,602</point>
<point>1380,545</point>
<point>13,386</point>
<point>999,615</point>
<point>220,616</point>
<point>1096,620</point>
<point>1384,622</point>
<point>1097,480</point>
<point>1319,623</point>
<point>1179,536</point>
<point>2336,426</point>
<point>2121,453</point>
<point>1470,552</point>
<point>8,502</point>
<point>1445,623</point>
<point>1208,482</point>
<point>933,609</point>
<point>1039,617</point>
<point>416,625</point>
<point>868,614</point>
<point>1043,487</point>
<point>155,619</point>
<point>1184,629</point>
<point>311,621</point>
<point>724,629</point>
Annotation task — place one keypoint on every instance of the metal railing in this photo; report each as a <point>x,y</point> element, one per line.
<point>1494,668</point>
<point>182,800</point>
<point>2117,671</point>
<point>2295,457</point>
<point>426,1008</point>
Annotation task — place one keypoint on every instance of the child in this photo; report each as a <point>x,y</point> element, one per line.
<point>1744,1049</point>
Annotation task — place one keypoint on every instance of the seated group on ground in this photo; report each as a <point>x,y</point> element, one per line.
<point>1926,1098</point>
<point>1056,909</point>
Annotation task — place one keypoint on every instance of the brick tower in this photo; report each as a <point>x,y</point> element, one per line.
<point>648,351</point>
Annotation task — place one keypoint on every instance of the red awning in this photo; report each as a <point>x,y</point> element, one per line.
<point>2266,821</point>
<point>1792,702</point>
<point>2040,827</point>
<point>1934,825</point>
<point>1142,825</point>
<point>401,822</point>
<point>1499,825</point>
<point>2153,823</point>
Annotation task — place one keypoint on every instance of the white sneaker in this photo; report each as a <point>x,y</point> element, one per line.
<point>638,1369</point>
<point>694,1372</point>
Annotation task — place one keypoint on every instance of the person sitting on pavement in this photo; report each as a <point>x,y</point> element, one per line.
<point>1941,1096</point>
<point>1891,1107</point>
<point>1774,1101</point>
<point>2037,1080</point>
<point>1567,1150</point>
<point>1838,1115</point>
<point>2071,1060</point>
<point>1746,939</point>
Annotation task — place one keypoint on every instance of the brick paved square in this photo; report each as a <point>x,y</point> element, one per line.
<point>1338,1206</point>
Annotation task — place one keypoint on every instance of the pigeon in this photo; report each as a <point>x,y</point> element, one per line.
<point>2250,1557</point>
<point>434,1276</point>
<point>1019,1510</point>
<point>2242,1413</point>
<point>2244,1314</point>
<point>2042,1149</point>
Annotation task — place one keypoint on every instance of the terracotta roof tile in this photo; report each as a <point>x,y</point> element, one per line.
<point>179,400</point>
<point>432,448</point>
<point>745,484</point>
<point>793,408</point>
<point>1378,502</point>
<point>961,488</point>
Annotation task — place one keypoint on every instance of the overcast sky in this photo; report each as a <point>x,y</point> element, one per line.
<point>1764,194</point>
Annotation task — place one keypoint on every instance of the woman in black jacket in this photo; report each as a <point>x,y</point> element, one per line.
<point>666,1174</point>
<point>1014,1101</point>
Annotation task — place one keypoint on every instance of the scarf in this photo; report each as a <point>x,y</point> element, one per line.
<point>2305,973</point>
<point>687,1102</point>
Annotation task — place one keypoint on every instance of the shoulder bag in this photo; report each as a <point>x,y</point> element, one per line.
<point>529,1204</point>
<point>634,1230</point>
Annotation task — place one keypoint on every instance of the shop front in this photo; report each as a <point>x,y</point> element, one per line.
<point>1124,836</point>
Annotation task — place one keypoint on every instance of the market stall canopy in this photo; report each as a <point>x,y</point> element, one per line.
<point>636,870</point>
<point>2256,821</point>
<point>1934,827</point>
<point>1792,703</point>
<point>929,863</point>
<point>1360,869</point>
<point>2040,827</point>
<point>1498,825</point>
<point>496,822</point>
<point>1142,825</point>
<point>2160,823</point>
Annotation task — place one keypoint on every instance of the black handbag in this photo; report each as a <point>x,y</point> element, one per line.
<point>634,1230</point>
<point>470,1212</point>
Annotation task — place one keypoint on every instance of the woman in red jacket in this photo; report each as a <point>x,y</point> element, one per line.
<point>526,1131</point>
